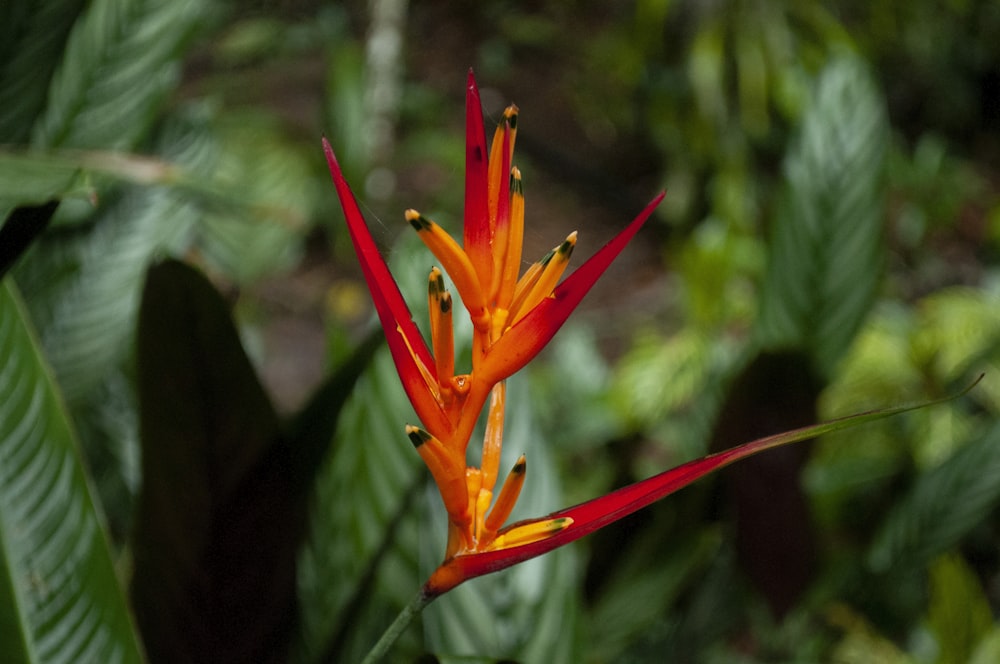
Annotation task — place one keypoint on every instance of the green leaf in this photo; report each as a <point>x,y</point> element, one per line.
<point>219,517</point>
<point>33,179</point>
<point>827,243</point>
<point>260,224</point>
<point>944,504</point>
<point>32,37</point>
<point>959,614</point>
<point>639,593</point>
<point>988,649</point>
<point>83,290</point>
<point>363,508</point>
<point>59,598</point>
<point>83,285</point>
<point>121,61</point>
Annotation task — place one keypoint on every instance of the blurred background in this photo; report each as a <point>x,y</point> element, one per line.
<point>829,243</point>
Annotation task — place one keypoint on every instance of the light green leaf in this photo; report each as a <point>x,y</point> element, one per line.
<point>27,178</point>
<point>827,242</point>
<point>959,613</point>
<point>988,649</point>
<point>86,325</point>
<point>59,598</point>
<point>83,288</point>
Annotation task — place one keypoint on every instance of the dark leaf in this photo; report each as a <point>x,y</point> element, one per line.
<point>943,506</point>
<point>218,517</point>
<point>222,511</point>
<point>22,226</point>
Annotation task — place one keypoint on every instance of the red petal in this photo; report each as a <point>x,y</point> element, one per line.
<point>519,345</point>
<point>405,342</point>
<point>594,514</point>
<point>477,216</point>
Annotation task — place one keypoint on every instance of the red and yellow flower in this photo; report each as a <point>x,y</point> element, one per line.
<point>513,317</point>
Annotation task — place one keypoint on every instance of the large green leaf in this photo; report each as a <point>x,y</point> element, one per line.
<point>59,598</point>
<point>27,178</point>
<point>223,506</point>
<point>82,284</point>
<point>944,505</point>
<point>84,289</point>
<point>121,61</point>
<point>216,527</point>
<point>827,243</point>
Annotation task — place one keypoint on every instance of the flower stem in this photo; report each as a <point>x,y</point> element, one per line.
<point>398,626</point>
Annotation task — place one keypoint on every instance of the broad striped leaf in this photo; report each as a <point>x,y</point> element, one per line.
<point>827,243</point>
<point>943,506</point>
<point>59,598</point>
<point>121,61</point>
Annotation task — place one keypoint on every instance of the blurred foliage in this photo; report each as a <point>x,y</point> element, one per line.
<point>831,169</point>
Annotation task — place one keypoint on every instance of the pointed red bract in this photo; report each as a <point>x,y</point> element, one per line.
<point>587,517</point>
<point>476,230</point>
<point>402,335</point>
<point>595,514</point>
<point>522,342</point>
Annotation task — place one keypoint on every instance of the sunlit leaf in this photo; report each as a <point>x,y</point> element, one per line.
<point>959,614</point>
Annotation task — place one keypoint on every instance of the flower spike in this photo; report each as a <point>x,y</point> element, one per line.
<point>512,319</point>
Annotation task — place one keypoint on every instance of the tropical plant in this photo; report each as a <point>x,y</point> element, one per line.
<point>831,245</point>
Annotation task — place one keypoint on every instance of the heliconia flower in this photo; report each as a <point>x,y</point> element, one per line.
<point>513,317</point>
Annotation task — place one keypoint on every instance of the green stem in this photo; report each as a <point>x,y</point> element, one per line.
<point>398,626</point>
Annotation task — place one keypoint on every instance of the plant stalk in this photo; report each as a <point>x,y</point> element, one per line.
<point>398,626</point>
